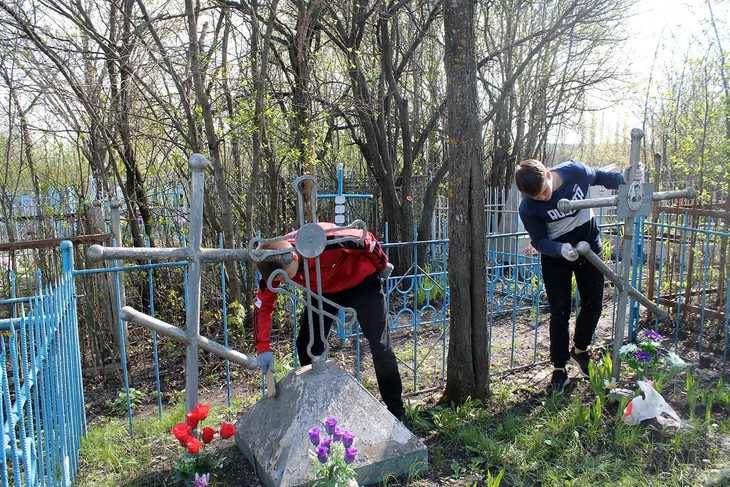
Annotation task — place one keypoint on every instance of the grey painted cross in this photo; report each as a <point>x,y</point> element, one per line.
<point>310,241</point>
<point>195,254</point>
<point>633,200</point>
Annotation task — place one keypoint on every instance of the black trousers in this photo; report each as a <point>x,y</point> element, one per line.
<point>368,301</point>
<point>557,275</point>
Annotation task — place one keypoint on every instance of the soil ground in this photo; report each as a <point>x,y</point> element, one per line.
<point>519,361</point>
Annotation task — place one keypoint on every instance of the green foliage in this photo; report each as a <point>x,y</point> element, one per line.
<point>187,466</point>
<point>506,440</point>
<point>109,454</point>
<point>431,286</point>
<point>236,320</point>
<point>559,438</point>
<point>118,405</point>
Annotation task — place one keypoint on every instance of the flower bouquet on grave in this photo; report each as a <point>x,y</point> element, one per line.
<point>333,455</point>
<point>199,459</point>
<point>649,360</point>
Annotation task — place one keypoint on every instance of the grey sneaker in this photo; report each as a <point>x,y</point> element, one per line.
<point>558,382</point>
<point>581,360</point>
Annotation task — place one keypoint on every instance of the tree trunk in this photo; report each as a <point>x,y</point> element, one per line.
<point>226,214</point>
<point>307,21</point>
<point>260,66</point>
<point>468,359</point>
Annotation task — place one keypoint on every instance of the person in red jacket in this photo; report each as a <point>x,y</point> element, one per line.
<point>351,272</point>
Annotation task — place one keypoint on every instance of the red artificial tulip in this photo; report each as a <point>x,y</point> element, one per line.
<point>208,434</point>
<point>192,419</point>
<point>202,411</point>
<point>193,445</point>
<point>227,430</point>
<point>181,431</point>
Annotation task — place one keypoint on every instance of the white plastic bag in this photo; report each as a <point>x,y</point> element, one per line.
<point>651,405</point>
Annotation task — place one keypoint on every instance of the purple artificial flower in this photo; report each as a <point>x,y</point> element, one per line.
<point>642,356</point>
<point>325,443</point>
<point>314,436</point>
<point>652,335</point>
<point>201,480</point>
<point>329,425</point>
<point>337,435</point>
<point>347,439</point>
<point>322,454</point>
<point>350,455</point>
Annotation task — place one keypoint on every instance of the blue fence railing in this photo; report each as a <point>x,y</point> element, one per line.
<point>42,411</point>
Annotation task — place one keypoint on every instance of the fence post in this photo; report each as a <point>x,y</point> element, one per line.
<point>67,256</point>
<point>119,327</point>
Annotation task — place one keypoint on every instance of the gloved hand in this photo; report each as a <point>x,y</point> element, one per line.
<point>385,273</point>
<point>639,176</point>
<point>569,252</point>
<point>266,361</point>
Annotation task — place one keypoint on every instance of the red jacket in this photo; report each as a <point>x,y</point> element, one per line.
<point>343,265</point>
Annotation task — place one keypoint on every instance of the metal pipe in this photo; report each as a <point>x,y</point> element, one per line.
<point>198,163</point>
<point>566,206</point>
<point>130,314</point>
<point>584,249</point>
<point>97,253</point>
<point>673,194</point>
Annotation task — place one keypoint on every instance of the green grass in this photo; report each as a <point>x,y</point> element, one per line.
<point>110,456</point>
<point>560,441</point>
<point>513,439</point>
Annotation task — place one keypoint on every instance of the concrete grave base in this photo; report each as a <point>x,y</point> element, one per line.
<point>274,433</point>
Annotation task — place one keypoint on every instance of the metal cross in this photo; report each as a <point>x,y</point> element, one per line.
<point>309,242</point>
<point>308,245</point>
<point>633,200</point>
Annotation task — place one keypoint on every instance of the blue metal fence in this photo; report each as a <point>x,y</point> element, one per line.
<point>42,411</point>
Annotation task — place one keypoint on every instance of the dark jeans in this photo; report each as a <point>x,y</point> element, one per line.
<point>557,275</point>
<point>368,301</point>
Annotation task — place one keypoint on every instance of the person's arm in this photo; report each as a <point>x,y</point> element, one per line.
<point>262,312</point>
<point>538,236</point>
<point>608,179</point>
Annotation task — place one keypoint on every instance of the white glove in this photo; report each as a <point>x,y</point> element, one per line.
<point>266,361</point>
<point>639,176</point>
<point>569,252</point>
<point>385,273</point>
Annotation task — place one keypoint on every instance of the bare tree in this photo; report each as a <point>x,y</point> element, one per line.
<point>541,59</point>
<point>113,131</point>
<point>381,62</point>
<point>725,82</point>
<point>214,141</point>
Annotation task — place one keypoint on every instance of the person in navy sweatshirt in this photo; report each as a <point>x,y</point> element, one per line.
<point>351,273</point>
<point>555,234</point>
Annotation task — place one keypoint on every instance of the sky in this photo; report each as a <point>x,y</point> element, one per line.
<point>665,29</point>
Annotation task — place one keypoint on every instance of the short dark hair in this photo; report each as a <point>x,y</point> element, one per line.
<point>267,267</point>
<point>530,177</point>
